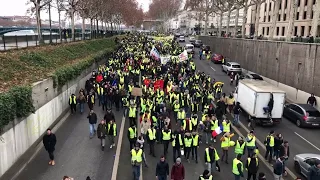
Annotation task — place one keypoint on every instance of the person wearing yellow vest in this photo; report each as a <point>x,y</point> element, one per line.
<point>195,145</point>
<point>187,145</point>
<point>240,146</point>
<point>225,144</point>
<point>251,143</point>
<point>100,92</point>
<point>237,167</point>
<point>102,133</point>
<point>133,114</point>
<point>214,125</point>
<point>181,115</point>
<point>136,160</point>
<point>187,125</point>
<point>194,121</point>
<point>177,144</point>
<point>176,108</point>
<point>132,135</point>
<point>112,132</point>
<point>206,175</point>
<point>73,103</point>
<point>166,137</point>
<point>226,125</point>
<point>211,158</point>
<point>269,142</point>
<point>90,100</point>
<point>252,166</point>
<point>151,137</point>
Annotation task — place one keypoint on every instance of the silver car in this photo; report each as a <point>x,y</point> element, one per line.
<point>302,162</point>
<point>231,67</point>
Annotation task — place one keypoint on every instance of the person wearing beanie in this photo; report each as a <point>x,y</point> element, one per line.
<point>205,175</point>
<point>269,142</point>
<point>177,170</point>
<point>262,176</point>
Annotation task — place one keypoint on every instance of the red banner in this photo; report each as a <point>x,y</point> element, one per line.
<point>146,82</point>
<point>158,84</point>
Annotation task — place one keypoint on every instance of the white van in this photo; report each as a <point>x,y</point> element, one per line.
<point>189,48</point>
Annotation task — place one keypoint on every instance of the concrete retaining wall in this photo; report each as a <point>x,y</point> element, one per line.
<point>293,67</point>
<point>51,104</point>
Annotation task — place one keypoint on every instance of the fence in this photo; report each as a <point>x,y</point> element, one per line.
<point>24,41</point>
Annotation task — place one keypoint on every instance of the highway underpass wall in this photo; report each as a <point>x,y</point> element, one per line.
<point>293,67</point>
<point>51,105</point>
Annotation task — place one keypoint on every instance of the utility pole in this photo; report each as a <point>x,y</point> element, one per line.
<point>50,22</point>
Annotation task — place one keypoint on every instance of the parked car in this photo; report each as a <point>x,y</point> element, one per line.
<point>302,162</point>
<point>216,58</point>
<point>231,67</point>
<point>182,39</point>
<point>198,43</point>
<point>205,48</point>
<point>189,48</point>
<point>177,35</point>
<point>192,39</point>
<point>303,115</point>
<point>253,76</point>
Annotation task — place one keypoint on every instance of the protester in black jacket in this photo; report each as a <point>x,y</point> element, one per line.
<point>162,169</point>
<point>49,143</point>
<point>92,117</point>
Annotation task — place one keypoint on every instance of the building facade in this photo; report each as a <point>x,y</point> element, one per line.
<point>302,18</point>
<point>232,21</point>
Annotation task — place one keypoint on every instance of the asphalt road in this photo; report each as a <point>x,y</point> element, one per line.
<point>76,155</point>
<point>300,140</point>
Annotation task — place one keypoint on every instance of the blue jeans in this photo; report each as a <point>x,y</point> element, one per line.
<point>136,172</point>
<point>81,107</point>
<point>237,177</point>
<point>162,177</point>
<point>266,109</point>
<point>91,128</point>
<point>236,118</point>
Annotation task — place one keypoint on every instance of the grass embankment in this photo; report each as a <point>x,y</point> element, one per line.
<point>63,62</point>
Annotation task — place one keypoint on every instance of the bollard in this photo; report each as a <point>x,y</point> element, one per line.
<point>16,41</point>
<point>27,40</point>
<point>4,43</point>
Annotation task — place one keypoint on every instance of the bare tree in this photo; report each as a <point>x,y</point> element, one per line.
<point>292,15</point>
<point>220,8</point>
<point>275,14</point>
<point>257,19</point>
<point>71,8</point>
<point>315,20</point>
<point>245,4</point>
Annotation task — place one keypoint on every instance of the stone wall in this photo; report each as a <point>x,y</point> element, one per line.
<point>292,64</point>
<point>51,105</point>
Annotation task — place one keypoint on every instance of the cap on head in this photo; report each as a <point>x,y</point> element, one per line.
<point>178,160</point>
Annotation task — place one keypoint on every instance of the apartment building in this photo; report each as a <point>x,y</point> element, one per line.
<point>232,21</point>
<point>302,21</point>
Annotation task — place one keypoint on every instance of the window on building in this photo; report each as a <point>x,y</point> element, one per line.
<point>280,5</point>
<point>285,4</point>
<point>270,6</point>
<point>314,1</point>
<point>283,31</point>
<point>265,7</point>
<point>279,17</point>
<point>302,30</point>
<point>278,29</point>
<point>269,18</point>
<point>298,3</point>
<point>284,17</point>
<point>311,16</point>
<point>267,31</point>
<point>305,15</point>
<point>297,16</point>
<point>306,2</point>
<point>264,18</point>
<point>262,30</point>
<point>295,33</point>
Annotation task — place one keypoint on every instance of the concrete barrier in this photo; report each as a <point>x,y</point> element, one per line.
<point>51,105</point>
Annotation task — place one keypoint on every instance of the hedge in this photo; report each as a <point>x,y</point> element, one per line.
<point>62,62</point>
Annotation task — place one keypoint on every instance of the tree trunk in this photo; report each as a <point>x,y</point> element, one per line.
<point>244,20</point>
<point>97,26</point>
<point>220,24</point>
<point>256,27</point>
<point>59,19</point>
<point>39,31</point>
<point>90,28</point>
<point>315,20</point>
<point>72,25</point>
<point>206,23</point>
<point>228,22</point>
<point>274,18</point>
<point>293,10</point>
<point>83,28</point>
<point>236,23</point>
<point>111,26</point>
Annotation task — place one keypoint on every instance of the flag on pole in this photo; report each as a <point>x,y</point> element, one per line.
<point>183,56</point>
<point>154,53</point>
<point>217,131</point>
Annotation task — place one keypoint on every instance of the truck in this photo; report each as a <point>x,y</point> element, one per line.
<point>254,96</point>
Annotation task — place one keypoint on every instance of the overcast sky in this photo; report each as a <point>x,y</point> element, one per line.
<point>19,7</point>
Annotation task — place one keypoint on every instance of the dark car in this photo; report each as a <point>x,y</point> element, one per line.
<point>216,58</point>
<point>303,115</point>
<point>205,48</point>
<point>253,76</point>
<point>197,43</point>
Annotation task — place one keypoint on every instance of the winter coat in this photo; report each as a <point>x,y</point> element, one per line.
<point>92,118</point>
<point>314,173</point>
<point>102,131</point>
<point>177,172</point>
<point>49,142</point>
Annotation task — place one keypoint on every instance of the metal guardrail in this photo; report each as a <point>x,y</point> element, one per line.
<point>25,41</point>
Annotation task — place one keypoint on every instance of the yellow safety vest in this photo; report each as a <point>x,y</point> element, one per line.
<point>132,132</point>
<point>73,100</point>
<point>100,90</point>
<point>181,115</point>
<point>114,129</point>
<point>253,142</point>
<point>174,140</point>
<point>235,166</point>
<point>121,86</point>
<point>166,136</point>
<point>194,121</point>
<point>176,107</point>
<point>226,127</point>
<point>92,99</point>
<point>185,125</point>
<point>214,124</point>
<point>122,80</point>
<point>187,142</point>
<point>136,156</point>
<point>225,143</point>
<point>249,160</point>
<point>216,156</point>
<point>146,115</point>
<point>132,112</point>
<point>239,149</point>
<point>130,88</point>
<point>202,178</point>
<point>152,134</point>
<point>195,139</point>
<point>271,143</point>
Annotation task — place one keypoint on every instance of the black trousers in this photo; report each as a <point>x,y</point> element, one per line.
<point>90,106</point>
<point>224,154</point>
<point>187,151</point>
<point>51,155</point>
<point>151,147</point>
<point>132,143</point>
<point>269,152</point>
<point>165,147</point>
<point>176,150</point>
<point>195,152</point>
<point>253,175</point>
<point>73,108</point>
<point>133,120</point>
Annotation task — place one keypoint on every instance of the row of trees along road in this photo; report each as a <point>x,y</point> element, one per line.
<point>208,8</point>
<point>104,12</point>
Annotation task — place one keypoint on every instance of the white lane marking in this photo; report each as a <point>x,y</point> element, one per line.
<point>212,68</point>
<point>40,145</point>
<point>118,151</point>
<point>307,141</point>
